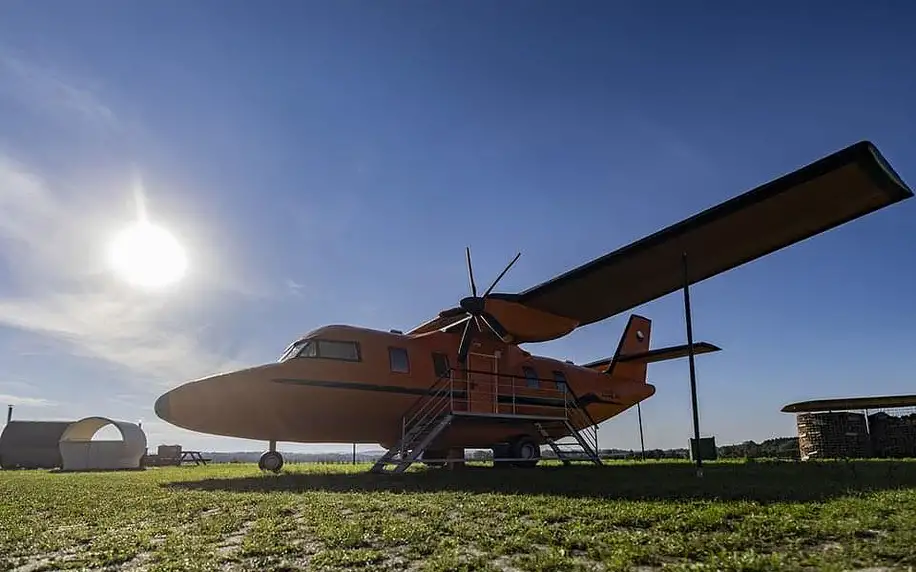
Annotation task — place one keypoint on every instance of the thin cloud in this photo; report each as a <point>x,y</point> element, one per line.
<point>52,243</point>
<point>52,246</point>
<point>18,400</point>
<point>293,287</point>
<point>56,281</point>
<point>45,90</point>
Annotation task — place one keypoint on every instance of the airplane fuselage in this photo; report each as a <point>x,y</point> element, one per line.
<point>344,384</point>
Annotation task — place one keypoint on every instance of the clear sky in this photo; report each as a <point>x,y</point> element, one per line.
<point>327,162</point>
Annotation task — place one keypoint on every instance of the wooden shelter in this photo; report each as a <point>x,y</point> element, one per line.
<point>856,427</point>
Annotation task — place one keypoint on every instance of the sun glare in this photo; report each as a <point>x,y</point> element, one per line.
<point>147,256</point>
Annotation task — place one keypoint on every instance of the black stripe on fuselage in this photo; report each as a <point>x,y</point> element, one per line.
<point>519,399</point>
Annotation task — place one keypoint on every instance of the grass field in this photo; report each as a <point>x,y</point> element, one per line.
<point>739,516</point>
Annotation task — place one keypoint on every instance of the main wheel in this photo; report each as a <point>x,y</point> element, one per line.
<point>271,461</point>
<point>500,452</point>
<point>434,455</point>
<point>527,450</point>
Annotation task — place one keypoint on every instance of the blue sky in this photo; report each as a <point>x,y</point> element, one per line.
<point>327,162</point>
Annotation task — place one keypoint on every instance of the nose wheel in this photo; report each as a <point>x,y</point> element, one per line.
<point>271,461</point>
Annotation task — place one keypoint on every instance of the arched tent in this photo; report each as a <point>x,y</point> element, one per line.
<point>80,453</point>
<point>32,444</point>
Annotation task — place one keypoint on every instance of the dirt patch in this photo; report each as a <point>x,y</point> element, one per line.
<point>39,562</point>
<point>231,543</point>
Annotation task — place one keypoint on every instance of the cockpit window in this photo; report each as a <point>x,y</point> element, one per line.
<point>308,349</point>
<point>334,349</point>
<point>327,349</point>
<point>292,350</point>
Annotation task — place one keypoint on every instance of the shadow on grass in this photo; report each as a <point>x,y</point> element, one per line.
<point>763,482</point>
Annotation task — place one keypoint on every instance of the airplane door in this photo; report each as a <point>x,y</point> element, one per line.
<point>482,379</point>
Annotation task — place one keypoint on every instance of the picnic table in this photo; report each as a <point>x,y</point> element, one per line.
<point>195,456</point>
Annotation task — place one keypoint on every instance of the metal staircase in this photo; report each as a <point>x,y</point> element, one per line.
<point>577,425</point>
<point>429,416</point>
<point>450,401</point>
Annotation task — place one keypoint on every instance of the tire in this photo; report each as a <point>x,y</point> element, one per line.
<point>501,451</point>
<point>528,449</point>
<point>271,461</point>
<point>434,455</point>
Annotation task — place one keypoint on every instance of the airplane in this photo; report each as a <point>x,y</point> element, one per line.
<point>408,391</point>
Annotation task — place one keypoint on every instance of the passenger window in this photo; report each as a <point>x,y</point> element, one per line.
<point>560,380</point>
<point>531,377</point>
<point>332,349</point>
<point>440,364</point>
<point>398,359</point>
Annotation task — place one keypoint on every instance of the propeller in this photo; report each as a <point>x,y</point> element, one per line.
<point>474,307</point>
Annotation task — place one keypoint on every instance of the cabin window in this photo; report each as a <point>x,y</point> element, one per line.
<point>330,349</point>
<point>531,377</point>
<point>440,364</point>
<point>397,357</point>
<point>559,378</point>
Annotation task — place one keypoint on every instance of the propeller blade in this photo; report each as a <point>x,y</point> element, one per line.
<point>494,324</point>
<point>501,274</point>
<point>465,344</point>
<point>471,272</point>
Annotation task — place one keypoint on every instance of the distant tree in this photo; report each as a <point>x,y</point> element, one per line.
<point>780,448</point>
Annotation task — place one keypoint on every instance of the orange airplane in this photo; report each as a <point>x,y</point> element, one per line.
<point>461,380</point>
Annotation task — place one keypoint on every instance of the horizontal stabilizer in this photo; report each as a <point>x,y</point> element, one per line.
<point>660,354</point>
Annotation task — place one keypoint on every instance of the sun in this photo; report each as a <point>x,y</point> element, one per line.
<point>147,256</point>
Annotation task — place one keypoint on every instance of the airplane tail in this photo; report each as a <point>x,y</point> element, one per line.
<point>633,341</point>
<point>633,355</point>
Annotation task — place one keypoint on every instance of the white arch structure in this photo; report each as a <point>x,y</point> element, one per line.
<point>80,453</point>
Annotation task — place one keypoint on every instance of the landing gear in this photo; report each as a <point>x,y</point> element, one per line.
<point>527,450</point>
<point>434,455</point>
<point>524,450</point>
<point>500,452</point>
<point>271,460</point>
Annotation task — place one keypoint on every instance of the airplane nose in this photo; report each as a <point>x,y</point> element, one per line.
<point>162,409</point>
<point>219,404</point>
<point>185,404</point>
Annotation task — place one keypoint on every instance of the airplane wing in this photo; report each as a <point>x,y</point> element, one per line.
<point>832,191</point>
<point>835,190</point>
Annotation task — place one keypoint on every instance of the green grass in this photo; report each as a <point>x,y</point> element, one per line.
<point>739,516</point>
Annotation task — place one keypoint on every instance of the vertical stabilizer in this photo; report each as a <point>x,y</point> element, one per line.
<point>635,340</point>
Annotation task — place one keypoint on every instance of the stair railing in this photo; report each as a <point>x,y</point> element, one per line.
<point>428,406</point>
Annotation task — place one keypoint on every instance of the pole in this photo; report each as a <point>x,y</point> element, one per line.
<point>9,414</point>
<point>354,453</point>
<point>693,375</point>
<point>642,443</point>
